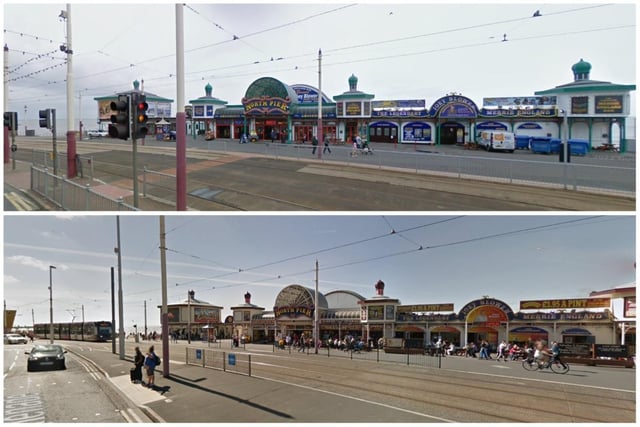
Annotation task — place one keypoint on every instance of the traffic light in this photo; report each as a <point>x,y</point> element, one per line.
<point>45,118</point>
<point>120,121</point>
<point>140,118</point>
<point>11,120</point>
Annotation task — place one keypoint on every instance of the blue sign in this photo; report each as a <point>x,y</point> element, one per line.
<point>232,359</point>
<point>491,126</point>
<point>198,354</point>
<point>416,132</point>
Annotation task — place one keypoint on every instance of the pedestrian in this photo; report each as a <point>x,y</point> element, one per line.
<point>283,136</point>
<point>314,142</point>
<point>354,151</point>
<point>502,351</point>
<point>484,350</point>
<point>138,361</point>
<point>150,362</point>
<point>326,145</point>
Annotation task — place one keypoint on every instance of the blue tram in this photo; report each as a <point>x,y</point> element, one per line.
<point>87,331</point>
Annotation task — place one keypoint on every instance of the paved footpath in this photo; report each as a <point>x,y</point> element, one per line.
<point>197,394</point>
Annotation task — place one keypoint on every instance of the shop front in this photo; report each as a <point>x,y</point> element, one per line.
<point>455,119</point>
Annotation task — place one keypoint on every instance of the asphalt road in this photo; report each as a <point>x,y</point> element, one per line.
<point>299,387</point>
<point>256,182</point>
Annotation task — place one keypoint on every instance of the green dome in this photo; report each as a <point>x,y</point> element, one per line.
<point>582,67</point>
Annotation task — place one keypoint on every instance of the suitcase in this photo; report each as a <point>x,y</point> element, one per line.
<point>136,375</point>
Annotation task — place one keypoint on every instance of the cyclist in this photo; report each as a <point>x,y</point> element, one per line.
<point>555,353</point>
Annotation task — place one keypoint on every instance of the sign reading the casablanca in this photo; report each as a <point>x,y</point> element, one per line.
<point>266,106</point>
<point>566,303</point>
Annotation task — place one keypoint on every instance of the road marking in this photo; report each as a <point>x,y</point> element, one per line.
<point>19,202</point>
<point>384,405</point>
<point>24,408</point>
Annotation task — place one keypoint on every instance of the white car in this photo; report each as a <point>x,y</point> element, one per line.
<point>97,133</point>
<point>14,339</point>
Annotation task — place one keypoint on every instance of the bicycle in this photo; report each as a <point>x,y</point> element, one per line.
<point>554,364</point>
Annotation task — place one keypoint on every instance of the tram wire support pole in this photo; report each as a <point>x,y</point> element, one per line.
<point>165,314</point>
<point>320,138</point>
<point>181,143</point>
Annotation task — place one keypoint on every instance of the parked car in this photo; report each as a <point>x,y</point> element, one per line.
<point>14,339</point>
<point>97,133</point>
<point>46,356</point>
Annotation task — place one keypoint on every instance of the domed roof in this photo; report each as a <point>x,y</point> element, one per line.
<point>582,67</point>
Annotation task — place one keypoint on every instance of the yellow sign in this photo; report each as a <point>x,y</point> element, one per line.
<point>565,303</point>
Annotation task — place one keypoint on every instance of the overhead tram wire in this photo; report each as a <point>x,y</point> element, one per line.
<point>424,247</point>
<point>358,46</point>
<point>313,253</point>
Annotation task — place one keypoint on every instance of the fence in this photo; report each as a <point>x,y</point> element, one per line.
<point>239,363</point>
<point>546,172</point>
<point>158,184</point>
<point>415,357</point>
<point>68,195</point>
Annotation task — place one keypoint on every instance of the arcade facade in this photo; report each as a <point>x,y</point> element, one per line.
<point>589,320</point>
<point>593,111</point>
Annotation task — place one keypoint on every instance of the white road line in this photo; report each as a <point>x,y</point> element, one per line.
<point>395,408</point>
<point>134,415</point>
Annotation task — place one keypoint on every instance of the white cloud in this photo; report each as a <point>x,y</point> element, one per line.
<point>28,261</point>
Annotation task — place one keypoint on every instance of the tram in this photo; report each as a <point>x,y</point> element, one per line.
<point>87,331</point>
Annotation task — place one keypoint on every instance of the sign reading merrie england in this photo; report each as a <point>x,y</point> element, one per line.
<point>266,106</point>
<point>565,303</point>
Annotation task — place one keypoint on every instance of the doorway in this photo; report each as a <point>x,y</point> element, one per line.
<point>451,133</point>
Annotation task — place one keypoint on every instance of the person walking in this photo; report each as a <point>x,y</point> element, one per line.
<point>502,351</point>
<point>314,142</point>
<point>150,362</point>
<point>326,145</point>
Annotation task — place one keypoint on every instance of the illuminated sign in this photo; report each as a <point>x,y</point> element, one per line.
<point>294,311</point>
<point>425,308</point>
<point>376,312</point>
<point>489,302</point>
<point>579,105</point>
<point>353,109</point>
<point>565,303</point>
<point>454,106</point>
<point>266,106</point>
<point>519,101</point>
<point>630,307</point>
<point>206,315</point>
<point>611,104</point>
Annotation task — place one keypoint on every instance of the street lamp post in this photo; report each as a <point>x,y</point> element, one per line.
<point>51,268</point>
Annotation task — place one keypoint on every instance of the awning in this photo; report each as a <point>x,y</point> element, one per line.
<point>162,122</point>
<point>449,329</point>
<point>410,328</point>
<point>576,331</point>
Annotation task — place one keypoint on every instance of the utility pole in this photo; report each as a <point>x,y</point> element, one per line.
<point>320,139</point>
<point>316,316</point>
<point>71,135</point>
<point>113,312</point>
<point>181,137</point>
<point>165,315</point>
<point>145,319</point>
<point>120,302</point>
<point>51,268</point>
<point>6,104</point>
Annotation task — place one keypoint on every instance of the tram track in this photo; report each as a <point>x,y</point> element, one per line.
<point>471,398</point>
<point>256,182</point>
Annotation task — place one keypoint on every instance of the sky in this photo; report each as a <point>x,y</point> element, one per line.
<point>414,50</point>
<point>422,259</point>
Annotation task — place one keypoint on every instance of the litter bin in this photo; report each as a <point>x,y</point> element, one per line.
<point>564,146</point>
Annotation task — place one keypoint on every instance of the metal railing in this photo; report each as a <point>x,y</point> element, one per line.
<point>238,363</point>
<point>158,184</point>
<point>68,195</point>
<point>415,357</point>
